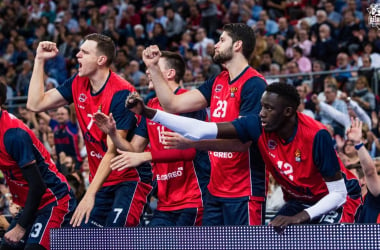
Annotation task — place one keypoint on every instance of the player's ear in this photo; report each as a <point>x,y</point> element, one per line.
<point>102,60</point>
<point>289,111</point>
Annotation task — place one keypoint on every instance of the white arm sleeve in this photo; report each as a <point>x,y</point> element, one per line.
<point>335,114</point>
<point>192,129</point>
<point>360,113</point>
<point>336,198</point>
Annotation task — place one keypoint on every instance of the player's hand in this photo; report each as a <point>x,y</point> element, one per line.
<point>46,50</point>
<point>105,123</point>
<point>135,103</point>
<point>354,133</point>
<point>172,140</point>
<point>281,221</point>
<point>14,235</point>
<point>314,99</point>
<point>151,55</point>
<point>127,159</point>
<point>83,210</point>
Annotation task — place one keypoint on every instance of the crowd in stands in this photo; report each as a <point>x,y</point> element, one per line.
<point>292,37</point>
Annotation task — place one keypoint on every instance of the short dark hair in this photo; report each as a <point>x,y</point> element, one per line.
<point>3,93</point>
<point>176,62</point>
<point>105,45</point>
<point>288,92</point>
<point>241,31</point>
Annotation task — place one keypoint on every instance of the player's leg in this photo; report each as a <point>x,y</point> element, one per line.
<point>256,208</point>
<point>128,205</point>
<point>163,219</point>
<point>189,217</point>
<point>54,215</point>
<point>213,211</point>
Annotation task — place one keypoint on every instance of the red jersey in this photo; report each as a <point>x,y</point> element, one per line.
<point>178,185</point>
<point>19,146</point>
<point>232,173</point>
<point>113,94</point>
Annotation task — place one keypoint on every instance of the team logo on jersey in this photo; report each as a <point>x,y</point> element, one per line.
<point>297,154</point>
<point>218,88</point>
<point>82,97</point>
<point>233,90</point>
<point>272,144</point>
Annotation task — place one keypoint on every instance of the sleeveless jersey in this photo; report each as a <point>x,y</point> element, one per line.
<point>232,173</point>
<point>86,104</point>
<point>178,184</point>
<point>57,186</point>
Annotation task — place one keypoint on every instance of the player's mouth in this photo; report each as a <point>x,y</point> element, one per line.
<point>264,124</point>
<point>80,65</point>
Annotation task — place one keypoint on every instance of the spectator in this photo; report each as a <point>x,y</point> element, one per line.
<point>366,69</point>
<point>304,63</point>
<point>159,36</point>
<point>67,137</point>
<point>344,68</point>
<point>293,69</point>
<point>276,8</point>
<point>363,95</point>
<point>348,37</point>
<point>321,19</point>
<point>338,120</point>
<point>285,32</point>
<point>318,79</point>
<point>302,91</point>
<point>209,68</point>
<point>202,41</point>
<point>324,49</point>
<point>175,25</point>
<point>266,61</point>
<point>333,17</point>
<point>160,16</point>
<point>302,40</point>
<point>23,78</point>
<point>135,73</point>
<point>274,70</point>
<point>209,17</point>
<point>271,26</point>
<point>278,53</point>
<point>140,37</point>
<point>253,7</point>
<point>194,20</point>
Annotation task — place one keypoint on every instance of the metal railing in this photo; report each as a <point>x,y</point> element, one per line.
<point>18,101</point>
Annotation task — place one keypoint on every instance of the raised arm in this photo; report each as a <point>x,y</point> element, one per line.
<point>86,205</point>
<point>192,100</point>
<point>38,99</point>
<point>366,162</point>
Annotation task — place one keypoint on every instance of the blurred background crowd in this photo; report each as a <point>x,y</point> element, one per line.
<point>326,48</point>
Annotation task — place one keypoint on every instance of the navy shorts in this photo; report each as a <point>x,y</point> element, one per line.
<point>182,217</point>
<point>247,210</point>
<point>120,205</point>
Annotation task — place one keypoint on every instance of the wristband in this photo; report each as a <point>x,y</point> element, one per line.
<point>358,146</point>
